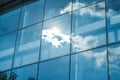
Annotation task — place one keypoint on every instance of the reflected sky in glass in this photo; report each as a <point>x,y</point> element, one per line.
<point>32,13</point>
<point>114,61</point>
<point>57,7</point>
<point>88,31</point>
<point>113,20</point>
<point>7,44</point>
<point>88,27</point>
<point>9,21</point>
<point>56,37</point>
<point>28,42</point>
<point>82,3</point>
<point>57,69</point>
<point>90,65</point>
<point>26,73</point>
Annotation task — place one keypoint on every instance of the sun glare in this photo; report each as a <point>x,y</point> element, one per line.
<point>55,30</point>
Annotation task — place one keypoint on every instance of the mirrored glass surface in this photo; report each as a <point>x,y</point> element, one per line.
<point>114,61</point>
<point>56,37</point>
<point>7,44</point>
<point>113,20</point>
<point>90,65</point>
<point>82,3</point>
<point>88,27</point>
<point>57,69</point>
<point>32,13</point>
<point>28,42</point>
<point>57,7</point>
<point>9,21</point>
<point>25,73</point>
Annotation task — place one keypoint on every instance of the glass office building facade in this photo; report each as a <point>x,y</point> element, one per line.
<point>61,40</point>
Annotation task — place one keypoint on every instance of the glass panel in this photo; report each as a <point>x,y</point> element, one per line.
<point>25,73</point>
<point>28,43</point>
<point>9,21</point>
<point>90,65</point>
<point>114,62</point>
<point>56,37</point>
<point>113,20</point>
<point>32,13</point>
<point>7,44</point>
<point>57,69</point>
<point>57,7</point>
<point>88,28</point>
<point>82,3</point>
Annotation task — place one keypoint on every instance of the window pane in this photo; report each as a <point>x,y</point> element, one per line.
<point>56,37</point>
<point>88,28</point>
<point>57,69</point>
<point>57,7</point>
<point>82,3</point>
<point>28,43</point>
<point>114,62</point>
<point>25,73</point>
<point>32,13</point>
<point>90,65</point>
<point>7,44</point>
<point>113,20</point>
<point>9,21</point>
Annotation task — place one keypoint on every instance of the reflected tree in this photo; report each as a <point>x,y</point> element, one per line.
<point>13,76</point>
<point>31,78</point>
<point>3,75</point>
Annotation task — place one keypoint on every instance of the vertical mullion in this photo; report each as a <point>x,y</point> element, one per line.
<point>70,41</point>
<point>16,37</point>
<point>107,40</point>
<point>41,40</point>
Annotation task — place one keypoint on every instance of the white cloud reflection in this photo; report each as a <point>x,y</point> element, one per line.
<point>100,57</point>
<point>114,59</point>
<point>59,39</point>
<point>66,9</point>
<point>56,39</point>
<point>81,43</point>
<point>95,10</point>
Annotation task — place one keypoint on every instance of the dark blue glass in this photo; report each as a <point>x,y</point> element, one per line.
<point>113,20</point>
<point>56,37</point>
<point>90,65</point>
<point>25,73</point>
<point>57,7</point>
<point>9,21</point>
<point>88,27</point>
<point>32,13</point>
<point>114,61</point>
<point>82,3</point>
<point>57,69</point>
<point>7,44</point>
<point>28,42</point>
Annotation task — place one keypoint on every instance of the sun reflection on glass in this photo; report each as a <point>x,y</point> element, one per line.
<point>55,30</point>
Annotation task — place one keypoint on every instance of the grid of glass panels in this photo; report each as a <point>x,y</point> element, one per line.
<point>61,40</point>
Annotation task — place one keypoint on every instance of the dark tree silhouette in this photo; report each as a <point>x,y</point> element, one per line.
<point>13,76</point>
<point>31,78</point>
<point>3,75</point>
